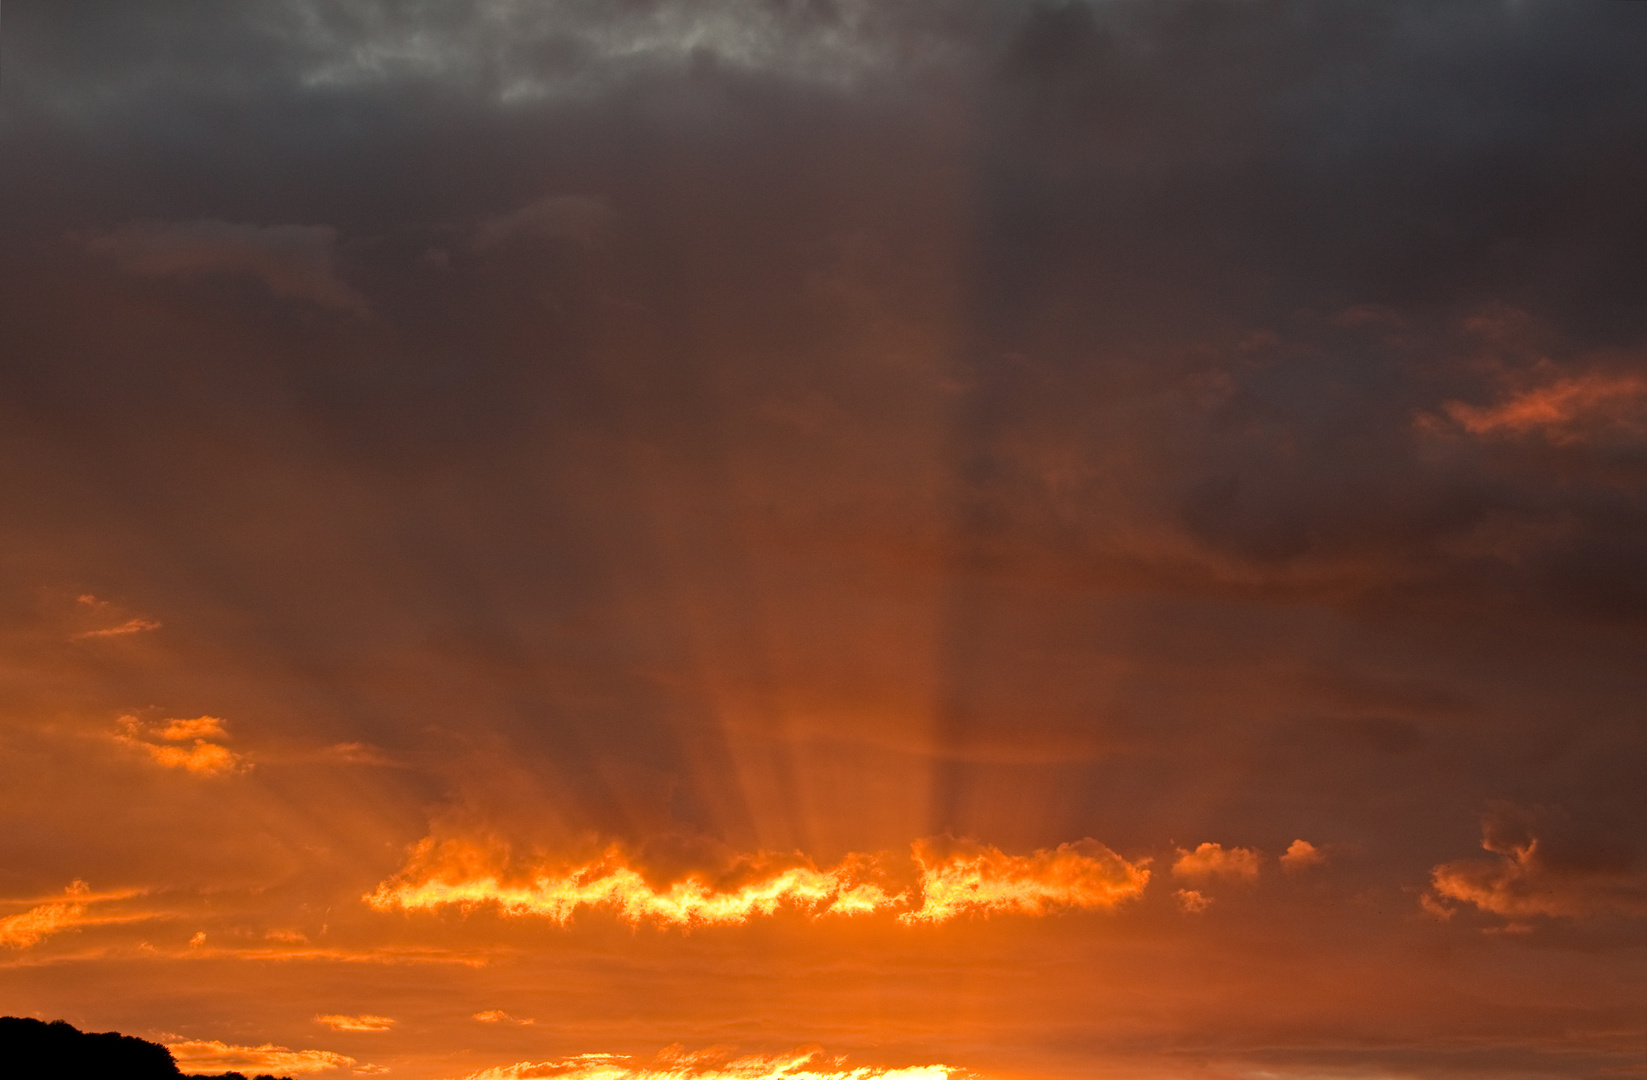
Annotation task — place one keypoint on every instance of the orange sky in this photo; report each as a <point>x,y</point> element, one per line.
<point>834,541</point>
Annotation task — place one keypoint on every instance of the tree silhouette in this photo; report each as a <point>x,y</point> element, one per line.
<point>35,1050</point>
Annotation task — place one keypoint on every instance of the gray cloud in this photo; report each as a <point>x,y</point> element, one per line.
<point>579,218</point>
<point>295,262</point>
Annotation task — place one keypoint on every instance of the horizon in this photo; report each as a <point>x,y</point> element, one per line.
<point>827,539</point>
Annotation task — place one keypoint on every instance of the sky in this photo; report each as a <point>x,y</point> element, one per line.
<point>827,539</point>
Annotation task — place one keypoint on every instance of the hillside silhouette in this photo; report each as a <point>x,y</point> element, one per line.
<point>35,1050</point>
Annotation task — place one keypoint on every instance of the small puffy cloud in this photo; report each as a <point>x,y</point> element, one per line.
<point>1540,868</point>
<point>578,218</point>
<point>498,1016</point>
<point>295,262</point>
<point>210,1056</point>
<point>202,758</point>
<point>1578,409</point>
<point>198,939</point>
<point>1301,854</point>
<point>1214,861</point>
<point>340,1022</point>
<point>1192,902</point>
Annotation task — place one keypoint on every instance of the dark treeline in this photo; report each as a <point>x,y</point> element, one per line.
<point>36,1050</point>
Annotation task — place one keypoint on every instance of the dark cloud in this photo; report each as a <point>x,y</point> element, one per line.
<point>1547,866</point>
<point>810,426</point>
<point>291,261</point>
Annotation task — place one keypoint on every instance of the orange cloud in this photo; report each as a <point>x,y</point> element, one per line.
<point>207,759</point>
<point>719,1063</point>
<point>498,1016</point>
<point>955,878</point>
<point>1192,901</point>
<point>130,626</point>
<point>199,727</point>
<point>210,1056</point>
<point>339,1022</point>
<point>984,880</point>
<point>611,882</point>
<point>1530,878</point>
<point>204,758</point>
<point>37,923</point>
<point>1302,853</point>
<point>1566,411</point>
<point>135,625</point>
<point>1214,861</point>
<point>29,928</point>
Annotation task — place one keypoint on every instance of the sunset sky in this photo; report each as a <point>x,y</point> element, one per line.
<point>827,539</point>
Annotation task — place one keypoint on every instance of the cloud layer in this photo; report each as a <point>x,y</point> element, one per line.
<point>686,451</point>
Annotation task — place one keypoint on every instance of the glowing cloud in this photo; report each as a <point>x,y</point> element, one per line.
<point>1214,861</point>
<point>207,759</point>
<point>37,923</point>
<point>676,1063</point>
<point>1300,854</point>
<point>983,880</point>
<point>954,878</point>
<point>203,758</point>
<point>210,1056</point>
<point>611,882</point>
<point>1566,411</point>
<point>339,1022</point>
<point>198,728</point>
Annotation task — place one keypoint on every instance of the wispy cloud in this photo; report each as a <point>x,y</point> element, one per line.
<point>294,262</point>
<point>130,626</point>
<point>1576,409</point>
<point>578,218</point>
<point>1215,861</point>
<point>33,926</point>
<point>498,1016</point>
<point>210,1056</point>
<point>719,1063</point>
<point>340,1022</point>
<point>135,624</point>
